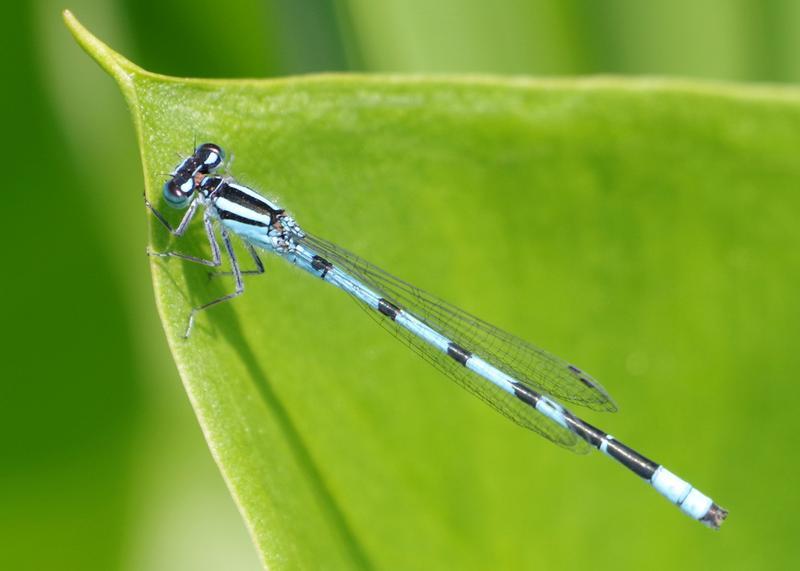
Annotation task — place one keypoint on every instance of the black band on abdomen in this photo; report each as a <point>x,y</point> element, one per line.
<point>458,353</point>
<point>626,456</point>
<point>631,459</point>
<point>526,395</point>
<point>387,308</point>
<point>321,265</point>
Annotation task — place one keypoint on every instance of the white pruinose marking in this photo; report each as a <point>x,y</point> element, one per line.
<point>254,194</point>
<point>490,373</point>
<point>552,411</point>
<point>696,504</point>
<point>211,158</point>
<point>670,486</point>
<point>243,211</point>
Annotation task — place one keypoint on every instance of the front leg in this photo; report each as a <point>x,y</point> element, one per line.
<point>184,223</point>
<point>216,260</point>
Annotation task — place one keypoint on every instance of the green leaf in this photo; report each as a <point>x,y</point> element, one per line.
<point>631,226</point>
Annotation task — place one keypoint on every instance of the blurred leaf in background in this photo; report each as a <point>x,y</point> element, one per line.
<point>103,465</point>
<point>744,40</point>
<point>69,401</point>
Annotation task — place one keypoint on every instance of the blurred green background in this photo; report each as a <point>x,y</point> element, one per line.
<point>103,466</point>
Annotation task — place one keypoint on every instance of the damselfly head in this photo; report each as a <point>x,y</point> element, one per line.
<point>178,192</point>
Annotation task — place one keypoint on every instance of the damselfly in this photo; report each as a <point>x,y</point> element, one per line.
<point>518,379</point>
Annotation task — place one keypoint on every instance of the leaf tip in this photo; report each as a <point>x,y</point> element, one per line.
<point>116,65</point>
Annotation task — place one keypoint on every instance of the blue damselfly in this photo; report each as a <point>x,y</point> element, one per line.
<point>518,379</point>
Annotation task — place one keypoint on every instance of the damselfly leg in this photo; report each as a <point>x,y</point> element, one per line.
<point>237,276</point>
<point>216,260</point>
<point>216,255</point>
<point>253,254</point>
<point>182,225</point>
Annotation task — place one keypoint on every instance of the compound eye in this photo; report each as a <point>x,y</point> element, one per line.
<point>177,193</point>
<point>211,155</point>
